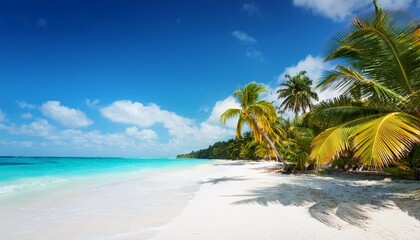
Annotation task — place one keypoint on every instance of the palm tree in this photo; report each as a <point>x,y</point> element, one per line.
<point>257,114</point>
<point>382,124</point>
<point>297,93</point>
<point>295,142</point>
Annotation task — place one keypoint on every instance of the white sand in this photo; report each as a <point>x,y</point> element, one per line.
<point>241,201</point>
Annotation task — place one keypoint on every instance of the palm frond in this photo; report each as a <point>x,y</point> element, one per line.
<point>384,47</point>
<point>334,142</point>
<point>339,110</point>
<point>229,114</point>
<point>348,81</point>
<point>384,140</point>
<point>412,103</point>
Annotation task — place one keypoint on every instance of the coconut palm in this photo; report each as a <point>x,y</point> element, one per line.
<point>295,141</point>
<point>257,114</point>
<point>382,124</point>
<point>297,93</point>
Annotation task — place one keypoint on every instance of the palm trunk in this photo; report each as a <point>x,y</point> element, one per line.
<point>278,157</point>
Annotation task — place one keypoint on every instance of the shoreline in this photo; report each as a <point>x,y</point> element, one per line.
<point>240,200</point>
<point>136,205</point>
<point>221,199</point>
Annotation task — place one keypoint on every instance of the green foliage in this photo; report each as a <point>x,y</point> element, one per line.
<point>244,148</point>
<point>376,120</point>
<point>295,143</point>
<point>297,93</point>
<point>259,115</point>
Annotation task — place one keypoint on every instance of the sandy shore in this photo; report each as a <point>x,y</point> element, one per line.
<point>242,201</point>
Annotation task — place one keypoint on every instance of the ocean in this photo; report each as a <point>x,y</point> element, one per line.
<point>94,198</point>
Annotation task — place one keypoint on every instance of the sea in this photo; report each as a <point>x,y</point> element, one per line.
<point>94,198</point>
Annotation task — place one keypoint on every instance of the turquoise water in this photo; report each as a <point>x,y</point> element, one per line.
<point>94,198</point>
<point>19,174</point>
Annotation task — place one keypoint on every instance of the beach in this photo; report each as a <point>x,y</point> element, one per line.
<point>217,199</point>
<point>90,198</point>
<point>243,201</point>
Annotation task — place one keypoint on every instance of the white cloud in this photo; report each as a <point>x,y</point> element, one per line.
<point>339,10</point>
<point>251,8</point>
<point>25,105</point>
<point>254,54</point>
<point>219,108</point>
<point>183,132</point>
<point>2,115</point>
<point>243,37</point>
<point>66,116</point>
<point>136,113</point>
<point>92,103</point>
<point>314,67</point>
<point>27,115</point>
<point>40,128</point>
<point>144,134</point>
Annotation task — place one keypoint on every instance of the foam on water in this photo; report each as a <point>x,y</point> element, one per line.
<point>18,174</point>
<point>111,201</point>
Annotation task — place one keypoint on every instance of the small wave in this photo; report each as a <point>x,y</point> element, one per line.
<point>36,185</point>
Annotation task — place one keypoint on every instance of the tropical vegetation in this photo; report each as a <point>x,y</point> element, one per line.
<point>373,124</point>
<point>234,149</point>
<point>297,93</point>
<point>257,114</point>
<point>376,119</point>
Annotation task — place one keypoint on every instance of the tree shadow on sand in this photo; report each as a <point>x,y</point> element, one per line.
<point>350,204</point>
<point>232,163</point>
<point>224,179</point>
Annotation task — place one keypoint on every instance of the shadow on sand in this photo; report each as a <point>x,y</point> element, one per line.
<point>232,163</point>
<point>334,199</point>
<point>224,179</point>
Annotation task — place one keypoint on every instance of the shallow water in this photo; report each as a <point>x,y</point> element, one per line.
<point>84,198</point>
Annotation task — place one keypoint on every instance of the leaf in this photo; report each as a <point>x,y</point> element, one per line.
<point>333,143</point>
<point>384,140</point>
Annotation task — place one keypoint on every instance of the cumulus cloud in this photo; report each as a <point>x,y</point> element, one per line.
<point>243,37</point>
<point>144,134</point>
<point>314,67</point>
<point>184,134</point>
<point>251,8</point>
<point>219,108</point>
<point>136,113</point>
<point>39,128</point>
<point>339,10</point>
<point>183,131</point>
<point>66,116</point>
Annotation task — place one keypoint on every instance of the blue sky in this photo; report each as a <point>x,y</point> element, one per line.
<point>150,78</point>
